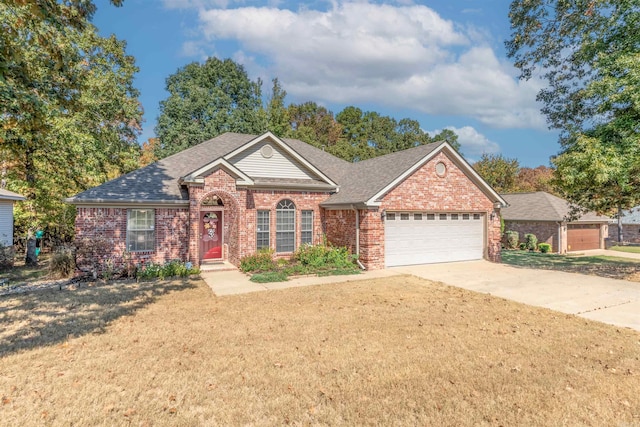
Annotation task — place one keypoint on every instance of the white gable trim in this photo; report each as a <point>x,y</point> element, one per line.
<point>284,147</point>
<point>197,175</point>
<point>456,157</point>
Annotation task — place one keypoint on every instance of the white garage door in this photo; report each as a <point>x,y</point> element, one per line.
<point>424,238</point>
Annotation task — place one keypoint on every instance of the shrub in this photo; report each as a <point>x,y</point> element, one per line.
<point>259,261</point>
<point>531,241</point>
<point>62,263</point>
<point>320,256</point>
<point>7,256</point>
<point>522,246</point>
<point>269,276</point>
<point>544,247</point>
<point>511,239</point>
<point>174,268</point>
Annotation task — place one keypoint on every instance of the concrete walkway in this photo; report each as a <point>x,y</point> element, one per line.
<point>235,282</point>
<point>612,301</point>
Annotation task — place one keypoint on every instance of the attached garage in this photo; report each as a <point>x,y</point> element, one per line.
<point>425,237</point>
<point>582,237</point>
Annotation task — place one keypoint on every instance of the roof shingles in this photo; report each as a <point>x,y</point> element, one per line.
<point>542,206</point>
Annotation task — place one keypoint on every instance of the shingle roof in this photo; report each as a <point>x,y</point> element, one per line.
<point>368,177</point>
<point>159,182</point>
<point>630,216</point>
<point>10,195</point>
<point>542,206</point>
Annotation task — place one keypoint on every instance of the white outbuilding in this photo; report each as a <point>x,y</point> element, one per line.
<point>7,199</point>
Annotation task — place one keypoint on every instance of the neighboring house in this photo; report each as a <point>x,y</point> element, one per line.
<point>630,226</point>
<point>235,194</point>
<point>7,199</point>
<point>545,215</point>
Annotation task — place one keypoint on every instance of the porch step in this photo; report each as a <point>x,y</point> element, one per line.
<point>217,266</point>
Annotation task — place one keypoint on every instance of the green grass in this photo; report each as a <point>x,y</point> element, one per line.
<point>269,277</point>
<point>605,266</point>
<point>629,249</point>
<point>26,274</point>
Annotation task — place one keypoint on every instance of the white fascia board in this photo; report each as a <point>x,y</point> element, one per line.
<point>280,143</point>
<point>462,163</point>
<point>195,176</point>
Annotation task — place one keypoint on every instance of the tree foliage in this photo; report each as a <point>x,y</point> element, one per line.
<point>536,179</point>
<point>500,172</point>
<point>205,100</point>
<point>588,51</point>
<point>69,113</point>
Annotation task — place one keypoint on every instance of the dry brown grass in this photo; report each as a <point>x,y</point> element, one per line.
<point>395,351</point>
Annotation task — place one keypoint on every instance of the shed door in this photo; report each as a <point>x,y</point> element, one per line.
<point>582,237</point>
<point>426,238</point>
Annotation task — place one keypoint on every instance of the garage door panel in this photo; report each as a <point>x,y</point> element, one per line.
<point>416,241</point>
<point>583,237</point>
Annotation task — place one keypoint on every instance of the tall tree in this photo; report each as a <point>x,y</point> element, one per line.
<point>589,54</point>
<point>314,124</point>
<point>69,113</point>
<point>206,100</point>
<point>536,179</point>
<point>278,120</point>
<point>500,172</point>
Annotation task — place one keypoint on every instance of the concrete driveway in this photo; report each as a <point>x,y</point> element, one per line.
<point>612,301</point>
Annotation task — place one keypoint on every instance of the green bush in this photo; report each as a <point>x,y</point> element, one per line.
<point>269,276</point>
<point>259,261</point>
<point>174,268</point>
<point>62,263</point>
<point>511,239</point>
<point>544,247</point>
<point>531,241</point>
<point>324,256</point>
<point>522,246</point>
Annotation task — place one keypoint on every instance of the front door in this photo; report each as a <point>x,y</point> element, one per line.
<point>211,235</point>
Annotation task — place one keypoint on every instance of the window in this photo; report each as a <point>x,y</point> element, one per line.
<point>285,226</point>
<point>443,217</point>
<point>391,216</point>
<point>465,216</point>
<point>306,228</point>
<point>404,217</point>
<point>140,230</point>
<point>262,231</point>
<point>431,217</point>
<point>417,217</point>
<point>454,216</point>
<point>476,216</point>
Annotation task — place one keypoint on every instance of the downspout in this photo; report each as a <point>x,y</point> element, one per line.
<point>358,237</point>
<point>559,237</point>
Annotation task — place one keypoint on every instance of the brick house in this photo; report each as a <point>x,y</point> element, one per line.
<point>630,226</point>
<point>548,217</point>
<point>235,194</point>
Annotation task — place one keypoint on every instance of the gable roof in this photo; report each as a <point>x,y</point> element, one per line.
<point>361,183</point>
<point>10,195</point>
<point>542,206</point>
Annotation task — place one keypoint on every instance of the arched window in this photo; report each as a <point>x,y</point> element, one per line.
<point>285,226</point>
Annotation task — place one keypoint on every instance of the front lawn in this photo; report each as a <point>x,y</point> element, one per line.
<point>629,249</point>
<point>605,266</point>
<point>393,351</point>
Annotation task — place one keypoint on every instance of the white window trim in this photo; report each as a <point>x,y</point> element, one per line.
<point>152,229</point>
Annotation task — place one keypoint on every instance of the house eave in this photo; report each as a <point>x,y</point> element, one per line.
<point>292,186</point>
<point>126,203</point>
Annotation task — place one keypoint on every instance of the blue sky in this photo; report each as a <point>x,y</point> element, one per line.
<point>440,62</point>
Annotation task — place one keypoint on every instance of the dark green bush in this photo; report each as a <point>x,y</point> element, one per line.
<point>531,241</point>
<point>511,239</point>
<point>321,256</point>
<point>259,261</point>
<point>544,247</point>
<point>522,246</point>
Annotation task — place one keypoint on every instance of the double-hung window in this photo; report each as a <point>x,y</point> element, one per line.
<point>262,232</point>
<point>285,226</point>
<point>141,230</point>
<point>306,227</point>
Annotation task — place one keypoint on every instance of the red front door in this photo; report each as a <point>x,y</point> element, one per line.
<point>211,235</point>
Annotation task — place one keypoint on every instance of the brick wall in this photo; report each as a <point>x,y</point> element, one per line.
<point>426,191</point>
<point>106,230</point>
<point>546,232</point>
<point>630,232</point>
<point>240,213</point>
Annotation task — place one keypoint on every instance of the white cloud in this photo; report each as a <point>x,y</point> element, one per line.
<point>472,143</point>
<point>397,56</point>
